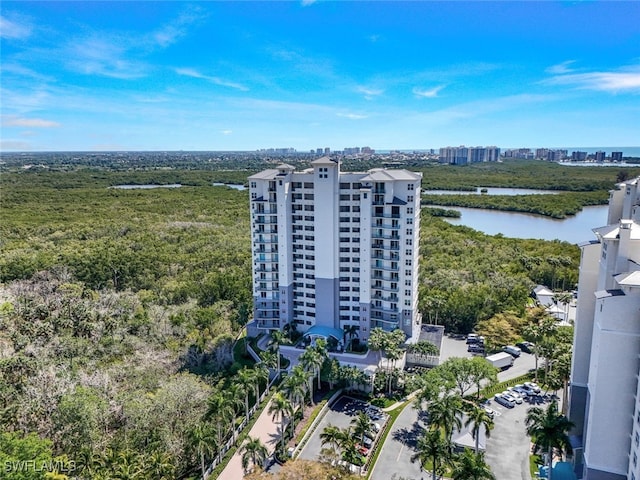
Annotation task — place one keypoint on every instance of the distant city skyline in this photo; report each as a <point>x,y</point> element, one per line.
<point>244,76</point>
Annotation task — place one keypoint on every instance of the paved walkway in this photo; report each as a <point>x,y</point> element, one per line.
<point>268,433</point>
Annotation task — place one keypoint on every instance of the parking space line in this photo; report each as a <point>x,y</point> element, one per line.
<point>399,453</point>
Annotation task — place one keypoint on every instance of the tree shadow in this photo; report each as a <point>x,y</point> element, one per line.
<point>409,436</point>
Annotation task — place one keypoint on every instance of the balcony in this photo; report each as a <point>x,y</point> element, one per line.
<point>393,236</point>
<point>385,215</point>
<point>381,256</point>
<point>384,324</point>
<point>268,323</point>
<point>270,239</point>
<point>390,298</point>
<point>261,220</point>
<point>386,278</point>
<point>388,226</point>
<point>386,288</point>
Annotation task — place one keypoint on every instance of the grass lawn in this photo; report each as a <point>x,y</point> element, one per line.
<point>534,461</point>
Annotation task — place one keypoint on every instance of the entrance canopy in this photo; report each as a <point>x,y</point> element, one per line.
<point>325,332</point>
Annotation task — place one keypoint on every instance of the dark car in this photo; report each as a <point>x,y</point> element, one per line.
<point>475,348</point>
<point>503,401</point>
<point>474,338</point>
<point>526,347</point>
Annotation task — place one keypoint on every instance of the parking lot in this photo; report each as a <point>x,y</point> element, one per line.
<point>507,448</point>
<point>339,415</point>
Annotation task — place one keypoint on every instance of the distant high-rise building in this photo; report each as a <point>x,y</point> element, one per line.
<point>542,153</point>
<point>334,249</point>
<point>616,156</point>
<point>600,156</point>
<point>492,154</point>
<point>604,400</point>
<point>327,150</point>
<point>464,155</point>
<point>578,156</point>
<point>318,151</point>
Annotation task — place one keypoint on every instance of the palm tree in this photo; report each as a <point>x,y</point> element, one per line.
<point>350,331</point>
<point>235,395</point>
<point>333,436</point>
<point>282,407</point>
<point>445,413</point>
<point>361,426</point>
<point>393,354</point>
<point>377,341</point>
<point>564,298</point>
<point>432,447</point>
<point>220,412</point>
<point>245,378</point>
<point>471,466</point>
<point>204,440</point>
<point>161,466</point>
<point>479,418</point>
<point>350,452</point>
<point>322,356</point>
<point>548,430</point>
<point>260,374</point>
<point>309,361</point>
<point>295,388</point>
<point>253,452</point>
<point>277,338</point>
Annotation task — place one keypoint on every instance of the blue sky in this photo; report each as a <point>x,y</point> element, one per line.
<point>244,75</point>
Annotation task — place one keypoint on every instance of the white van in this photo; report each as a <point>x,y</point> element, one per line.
<point>512,350</point>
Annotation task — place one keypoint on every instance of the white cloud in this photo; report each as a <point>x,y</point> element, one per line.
<point>370,93</point>
<point>623,80</point>
<point>306,3</point>
<point>226,132</point>
<point>561,68</point>
<point>173,31</point>
<point>13,121</point>
<point>13,29</point>
<point>97,55</point>
<point>190,72</point>
<point>427,93</point>
<point>351,116</point>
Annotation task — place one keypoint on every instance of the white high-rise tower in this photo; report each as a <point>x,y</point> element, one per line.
<point>333,249</point>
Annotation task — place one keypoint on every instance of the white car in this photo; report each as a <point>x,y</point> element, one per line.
<point>515,394</point>
<point>509,396</point>
<point>532,386</point>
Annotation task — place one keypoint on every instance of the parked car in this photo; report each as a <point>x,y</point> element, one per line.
<point>519,398</point>
<point>521,390</point>
<point>475,348</point>
<point>504,401</point>
<point>512,398</point>
<point>532,386</point>
<point>526,347</point>
<point>475,338</point>
<point>512,350</point>
<point>363,450</point>
<point>489,411</point>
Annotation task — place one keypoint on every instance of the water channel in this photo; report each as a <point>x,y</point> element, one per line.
<point>575,229</point>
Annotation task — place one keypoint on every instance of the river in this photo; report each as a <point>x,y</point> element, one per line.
<point>575,229</point>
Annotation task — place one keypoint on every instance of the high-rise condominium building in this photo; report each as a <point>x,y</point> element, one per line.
<point>605,392</point>
<point>335,249</point>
